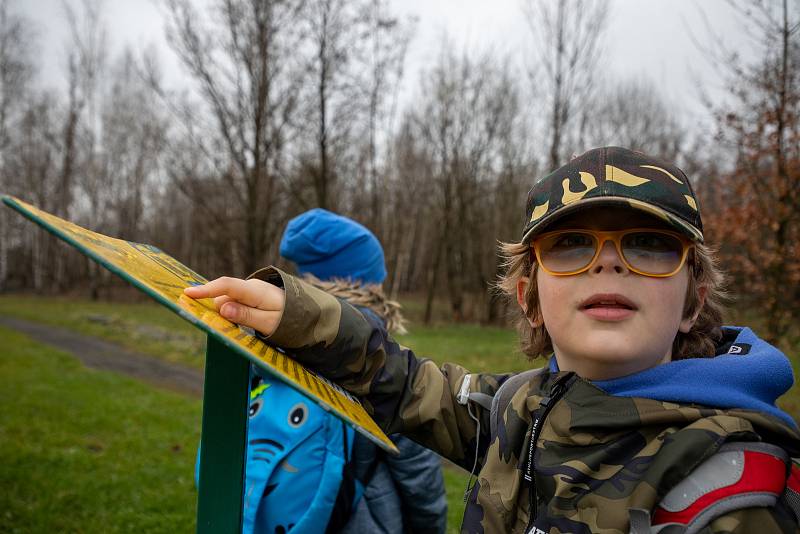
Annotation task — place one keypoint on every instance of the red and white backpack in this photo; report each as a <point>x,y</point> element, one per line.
<point>739,475</point>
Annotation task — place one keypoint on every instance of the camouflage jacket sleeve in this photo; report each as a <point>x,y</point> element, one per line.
<point>774,520</point>
<point>403,393</point>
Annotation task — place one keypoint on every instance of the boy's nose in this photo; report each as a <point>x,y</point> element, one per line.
<point>608,260</point>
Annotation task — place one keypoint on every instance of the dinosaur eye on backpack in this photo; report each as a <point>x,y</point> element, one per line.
<point>255,407</point>
<point>298,415</point>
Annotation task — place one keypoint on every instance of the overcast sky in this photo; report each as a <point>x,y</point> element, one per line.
<point>648,38</point>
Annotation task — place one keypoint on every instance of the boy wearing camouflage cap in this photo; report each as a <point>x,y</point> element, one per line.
<point>650,416</point>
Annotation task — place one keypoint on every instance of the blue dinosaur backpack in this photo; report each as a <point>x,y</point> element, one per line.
<point>297,472</point>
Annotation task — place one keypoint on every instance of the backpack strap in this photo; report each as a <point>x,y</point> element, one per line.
<point>739,475</point>
<point>348,490</point>
<point>504,393</point>
<point>366,477</point>
<point>497,403</point>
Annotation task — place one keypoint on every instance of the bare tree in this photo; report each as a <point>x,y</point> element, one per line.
<point>633,114</point>
<point>335,30</point>
<point>248,82</point>
<point>86,63</point>
<point>34,165</point>
<point>568,37</point>
<point>16,69</point>
<point>389,39</point>
<point>469,103</point>
<point>355,57</point>
<point>16,73</point>
<point>409,194</point>
<point>133,137</point>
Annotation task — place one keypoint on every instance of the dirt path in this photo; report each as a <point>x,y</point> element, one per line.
<point>107,356</point>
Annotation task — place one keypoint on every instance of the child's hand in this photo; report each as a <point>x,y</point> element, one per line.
<point>252,303</point>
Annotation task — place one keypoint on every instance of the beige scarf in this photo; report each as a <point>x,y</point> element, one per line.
<point>367,295</point>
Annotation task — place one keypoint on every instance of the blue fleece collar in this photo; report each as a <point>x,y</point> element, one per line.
<point>751,375</point>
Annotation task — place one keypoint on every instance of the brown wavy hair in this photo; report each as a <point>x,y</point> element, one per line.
<point>699,342</point>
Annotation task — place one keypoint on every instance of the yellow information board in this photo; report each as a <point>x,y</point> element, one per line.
<point>164,278</point>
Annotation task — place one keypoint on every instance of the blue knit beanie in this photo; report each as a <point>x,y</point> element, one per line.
<point>328,245</point>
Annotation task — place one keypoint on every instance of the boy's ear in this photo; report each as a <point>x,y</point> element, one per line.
<point>522,286</point>
<point>688,322</point>
<point>522,289</point>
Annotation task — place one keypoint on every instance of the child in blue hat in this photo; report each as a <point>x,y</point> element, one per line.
<point>403,493</point>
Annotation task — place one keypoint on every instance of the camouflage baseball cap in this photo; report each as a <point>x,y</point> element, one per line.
<point>609,176</point>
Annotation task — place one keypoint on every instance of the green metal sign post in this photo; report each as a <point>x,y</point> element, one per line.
<point>224,439</point>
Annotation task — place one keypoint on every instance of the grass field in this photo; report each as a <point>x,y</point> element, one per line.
<point>87,451</point>
<point>62,453</point>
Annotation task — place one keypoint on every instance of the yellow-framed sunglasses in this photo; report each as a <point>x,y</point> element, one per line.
<point>646,251</point>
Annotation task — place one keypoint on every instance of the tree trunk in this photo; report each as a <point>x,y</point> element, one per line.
<point>432,275</point>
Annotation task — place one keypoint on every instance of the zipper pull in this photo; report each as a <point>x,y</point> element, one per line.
<point>555,394</point>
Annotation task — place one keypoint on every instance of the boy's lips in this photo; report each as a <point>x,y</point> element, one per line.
<point>608,307</point>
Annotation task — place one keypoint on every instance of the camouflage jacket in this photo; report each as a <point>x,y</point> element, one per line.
<point>596,456</point>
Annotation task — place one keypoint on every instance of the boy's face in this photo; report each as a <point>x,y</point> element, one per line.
<point>600,343</point>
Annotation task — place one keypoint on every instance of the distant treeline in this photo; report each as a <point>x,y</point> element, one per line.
<point>294,104</point>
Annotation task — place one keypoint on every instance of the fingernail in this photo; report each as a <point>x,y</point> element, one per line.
<point>229,311</point>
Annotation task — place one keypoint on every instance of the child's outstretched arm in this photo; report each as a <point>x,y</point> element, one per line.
<point>403,393</point>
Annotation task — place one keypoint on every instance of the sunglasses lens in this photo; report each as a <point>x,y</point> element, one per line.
<point>566,252</point>
<point>652,252</point>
